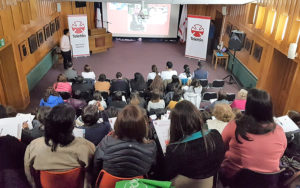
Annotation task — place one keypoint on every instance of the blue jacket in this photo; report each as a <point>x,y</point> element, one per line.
<point>52,101</point>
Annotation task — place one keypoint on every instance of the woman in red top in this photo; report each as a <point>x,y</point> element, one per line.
<point>62,85</point>
<point>253,141</point>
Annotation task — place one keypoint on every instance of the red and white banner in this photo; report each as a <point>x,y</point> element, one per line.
<point>197,36</point>
<point>78,27</point>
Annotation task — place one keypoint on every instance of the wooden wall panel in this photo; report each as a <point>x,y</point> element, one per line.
<point>17,16</point>
<point>25,8</point>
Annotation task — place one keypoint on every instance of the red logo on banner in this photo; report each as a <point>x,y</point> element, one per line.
<point>197,30</point>
<point>78,27</point>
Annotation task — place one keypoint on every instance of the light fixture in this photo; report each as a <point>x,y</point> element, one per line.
<point>281,27</point>
<point>297,40</point>
<point>284,29</point>
<point>270,21</point>
<point>255,13</point>
<point>260,17</point>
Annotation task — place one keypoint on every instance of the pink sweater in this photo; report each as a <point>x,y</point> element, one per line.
<point>239,104</point>
<point>261,155</point>
<point>62,87</point>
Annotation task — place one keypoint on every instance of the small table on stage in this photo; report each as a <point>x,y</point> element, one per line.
<point>219,56</point>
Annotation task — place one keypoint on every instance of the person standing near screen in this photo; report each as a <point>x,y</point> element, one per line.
<point>65,47</point>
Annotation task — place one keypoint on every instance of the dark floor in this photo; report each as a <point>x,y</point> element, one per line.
<point>128,58</point>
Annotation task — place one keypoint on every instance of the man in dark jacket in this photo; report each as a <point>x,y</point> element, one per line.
<point>85,86</point>
<point>120,84</point>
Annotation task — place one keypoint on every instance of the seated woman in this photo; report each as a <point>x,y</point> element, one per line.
<point>240,100</point>
<point>59,150</point>
<point>157,84</point>
<point>51,98</point>
<point>193,152</point>
<point>152,74</point>
<point>117,101</point>
<point>253,141</point>
<point>102,84</point>
<point>94,131</point>
<point>175,99</point>
<point>62,84</point>
<point>223,114</point>
<point>175,84</point>
<point>98,100</point>
<point>186,76</point>
<point>137,100</point>
<point>222,98</point>
<point>138,83</point>
<point>126,152</point>
<point>193,93</point>
<point>87,73</point>
<point>155,102</point>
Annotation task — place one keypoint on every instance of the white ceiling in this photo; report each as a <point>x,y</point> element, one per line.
<point>205,2</point>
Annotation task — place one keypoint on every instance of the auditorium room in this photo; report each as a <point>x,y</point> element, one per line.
<point>148,93</point>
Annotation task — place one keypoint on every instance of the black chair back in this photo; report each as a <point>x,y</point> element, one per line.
<point>204,82</point>
<point>230,96</point>
<point>104,94</point>
<point>158,112</point>
<point>218,83</point>
<point>209,95</point>
<point>65,95</point>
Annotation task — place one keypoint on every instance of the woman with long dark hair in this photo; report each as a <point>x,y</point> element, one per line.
<point>59,150</point>
<point>253,141</point>
<point>175,84</point>
<point>138,83</point>
<point>193,152</point>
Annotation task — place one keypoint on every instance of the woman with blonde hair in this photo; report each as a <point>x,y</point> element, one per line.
<point>240,101</point>
<point>223,114</point>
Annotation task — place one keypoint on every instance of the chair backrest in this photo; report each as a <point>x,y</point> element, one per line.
<point>209,95</point>
<point>183,182</point>
<point>218,83</point>
<point>106,180</point>
<point>104,94</point>
<point>230,96</point>
<point>65,95</point>
<point>72,178</point>
<point>204,82</point>
<point>248,179</point>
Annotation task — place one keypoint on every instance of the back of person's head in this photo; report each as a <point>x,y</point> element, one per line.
<point>205,115</point>
<point>66,31</point>
<point>11,111</point>
<point>97,96</point>
<point>242,94</point>
<point>155,95</point>
<point>61,78</point>
<point>223,112</point>
<point>175,79</point>
<point>79,79</point>
<point>112,112</point>
<point>157,83</point>
<point>295,116</point>
<point>69,64</point>
<point>222,95</point>
<point>187,70</point>
<point>49,91</point>
<point>87,68</point>
<point>154,69</point>
<point>195,83</point>
<point>135,98</point>
<point>169,64</point>
<point>90,115</point>
<point>2,112</point>
<point>59,126</point>
<point>117,96</point>
<point>200,64</point>
<point>138,77</point>
<point>177,95</point>
<point>42,114</point>
<point>102,78</point>
<point>131,124</point>
<point>118,75</point>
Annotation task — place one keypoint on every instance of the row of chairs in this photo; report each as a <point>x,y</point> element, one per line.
<point>217,84</point>
<point>207,96</point>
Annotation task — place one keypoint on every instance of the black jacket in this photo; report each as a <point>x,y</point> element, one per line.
<point>120,85</point>
<point>124,158</point>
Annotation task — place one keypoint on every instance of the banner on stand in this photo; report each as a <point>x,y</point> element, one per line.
<point>79,37</point>
<point>197,36</point>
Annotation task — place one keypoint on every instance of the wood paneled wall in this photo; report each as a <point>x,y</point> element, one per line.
<point>285,74</point>
<point>18,21</point>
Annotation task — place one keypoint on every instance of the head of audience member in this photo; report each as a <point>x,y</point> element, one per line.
<point>42,114</point>
<point>59,126</point>
<point>223,112</point>
<point>295,117</point>
<point>131,124</point>
<point>222,95</point>
<point>117,96</point>
<point>155,95</point>
<point>196,83</point>
<point>11,111</point>
<point>138,78</point>
<point>70,65</point>
<point>102,78</point>
<point>186,119</point>
<point>187,70</point>
<point>169,65</point>
<point>90,115</point>
<point>97,96</point>
<point>177,95</point>
<point>135,98</point>
<point>157,83</point>
<point>206,115</point>
<point>79,79</point>
<point>237,112</point>
<point>119,75</point>
<point>154,69</point>
<point>62,78</point>
<point>242,94</point>
<point>175,79</point>
<point>50,91</point>
<point>2,112</point>
<point>200,64</point>
<point>66,32</point>
<point>258,117</point>
<point>112,112</point>
<point>87,68</point>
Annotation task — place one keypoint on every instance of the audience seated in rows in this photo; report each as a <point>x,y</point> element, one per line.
<point>51,98</point>
<point>253,141</point>
<point>138,83</point>
<point>62,84</point>
<point>126,152</point>
<point>156,102</point>
<point>167,74</point>
<point>59,150</point>
<point>102,84</point>
<point>199,73</point>
<point>87,73</point>
<point>193,152</point>
<point>70,73</point>
<point>240,100</point>
<point>152,74</point>
<point>120,84</point>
